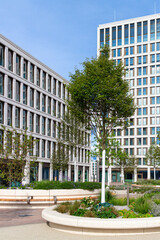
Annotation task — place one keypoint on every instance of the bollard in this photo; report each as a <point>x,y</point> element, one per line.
<point>29,199</point>
<point>55,199</point>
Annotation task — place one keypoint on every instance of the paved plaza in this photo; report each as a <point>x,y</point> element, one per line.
<point>18,224</point>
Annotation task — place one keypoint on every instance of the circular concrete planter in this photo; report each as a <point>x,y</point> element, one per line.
<point>97,226</point>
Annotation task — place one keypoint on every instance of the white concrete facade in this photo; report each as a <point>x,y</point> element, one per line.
<point>136,42</point>
<point>33,96</point>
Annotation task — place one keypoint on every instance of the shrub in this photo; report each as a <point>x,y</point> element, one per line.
<point>155,209</point>
<point>88,202</point>
<point>142,205</point>
<point>79,212</point>
<point>107,213</point>
<point>90,213</point>
<point>131,214</point>
<point>74,207</point>
<point>62,208</point>
<point>108,196</point>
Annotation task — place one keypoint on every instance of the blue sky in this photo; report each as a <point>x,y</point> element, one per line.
<point>63,33</point>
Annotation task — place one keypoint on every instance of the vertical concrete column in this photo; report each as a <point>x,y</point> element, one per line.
<point>135,174</point>
<point>40,147</point>
<point>122,174</point>
<point>52,86</point>
<point>21,93</point>
<point>40,171</point>
<point>5,113</point>
<point>13,116</point>
<point>14,62</point>
<point>14,89</point>
<point>60,175</point>
<point>89,174</point>
<point>35,75</point>
<point>148,173</point>
<point>28,71</point>
<point>6,57</point>
<point>51,172</point>
<point>6,86</point>
<point>69,172</point>
<point>21,66</point>
<point>28,96</point>
<point>21,118</point>
<point>83,174</point>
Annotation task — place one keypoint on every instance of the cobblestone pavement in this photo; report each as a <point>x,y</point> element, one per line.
<point>13,217</point>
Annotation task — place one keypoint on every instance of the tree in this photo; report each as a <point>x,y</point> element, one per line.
<point>71,135</point>
<point>100,94</point>
<point>16,153</point>
<point>153,157</point>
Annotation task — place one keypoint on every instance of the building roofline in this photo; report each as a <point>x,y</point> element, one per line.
<point>35,59</point>
<point>130,20</point>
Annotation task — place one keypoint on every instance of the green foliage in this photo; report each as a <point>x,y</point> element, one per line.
<point>131,214</point>
<point>148,182</point>
<point>157,201</point>
<point>74,207</point>
<point>80,212</point>
<point>107,213</point>
<point>108,196</point>
<point>90,213</point>
<point>63,208</point>
<point>65,185</point>
<point>142,205</point>
<point>87,202</point>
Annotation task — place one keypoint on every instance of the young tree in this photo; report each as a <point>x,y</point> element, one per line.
<point>100,94</point>
<point>153,157</point>
<point>15,148</point>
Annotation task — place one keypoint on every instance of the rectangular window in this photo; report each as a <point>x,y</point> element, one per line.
<point>144,141</point>
<point>158,90</point>
<point>49,105</point>
<point>48,149</point>
<point>1,55</point>
<point>152,90</point>
<point>152,80</point>
<point>38,100</point>
<point>132,33</point>
<point>107,36</point>
<point>101,37</point>
<point>139,111</point>
<point>31,97</point>
<point>113,36</point>
<point>152,30</point>
<point>24,119</point>
<point>25,68</point>
<point>119,35</point>
<point>144,121</point>
<point>126,61</point>
<point>144,48</point>
<point>43,126</point>
<point>152,120</point>
<point>43,103</point>
<point>54,129</point>
<point>32,73</point>
<point>139,71</point>
<point>145,31</point>
<point>37,147</point>
<point>43,148</point>
<point>1,84</point>
<point>131,61</point>
<point>152,110</point>
<point>152,100</point>
<point>9,87</point>
<point>38,77</point>
<point>158,46</point>
<point>1,112</point>
<point>144,81</point>
<point>49,83</point>
<point>126,51</point>
<point>158,79</point>
<point>63,96</point>
<point>139,82</point>
<point>24,94</point>
<point>139,101</point>
<point>158,28</point>
<point>54,86</point>
<point>139,49</point>
<point>152,69</point>
<point>145,111</point>
<point>10,60</point>
<point>119,50</point>
<point>152,47</point>
<point>153,130</point>
<point>139,141</point>
<point>144,70</point>
<point>49,127</point>
<point>54,107</point>
<point>158,100</point>
<point>9,115</point>
<point>44,80</point>
<point>158,69</point>
<point>139,60</point>
<point>153,58</point>
<point>31,118</point>
<point>139,131</point>
<point>139,121</point>
<point>139,91</point>
<point>126,34</point>
<point>17,91</point>
<point>59,89</point>
<point>59,109</point>
<point>139,32</point>
<point>37,124</point>
<point>18,64</point>
<point>131,50</point>
<point>158,57</point>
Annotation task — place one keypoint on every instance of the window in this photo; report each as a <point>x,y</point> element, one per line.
<point>1,112</point>
<point>139,111</point>
<point>114,53</point>
<point>144,141</point>
<point>38,77</point>
<point>132,33</point>
<point>131,61</point>
<point>107,36</point>
<point>131,72</point>
<point>144,101</point>
<point>139,141</point>
<point>139,82</point>
<point>24,94</point>
<point>144,81</point>
<point>9,87</point>
<point>131,132</point>
<point>37,124</point>
<point>24,119</point>
<point>49,127</point>
<point>63,96</point>
<point>10,60</point>
<point>17,91</point>
<point>158,57</point>
<point>49,105</point>
<point>118,132</point>
<point>158,100</point>
<point>131,83</point>
<point>139,91</point>
<point>144,59</point>
<point>101,37</point>
<point>158,68</point>
<point>44,80</point>
<point>139,101</point>
<point>158,110</point>
<point>126,61</point>
<point>9,115</point>
<point>37,147</point>
<point>59,109</point>
<point>139,32</point>
<point>139,131</point>
<point>18,62</point>
<point>139,152</point>
<point>126,132</point>
<point>54,129</point>
<point>158,79</point>
<point>152,100</point>
<point>38,100</point>
<point>152,30</point>
<point>126,34</point>
<point>139,71</point>
<point>25,63</point>
<point>54,86</point>
<point>144,121</point>
<point>131,141</point>
<point>152,110</point>
<point>43,103</point>
<point>152,69</point>
<point>48,149</point>
<point>1,55</point>
<point>31,118</point>
<point>119,52</point>
<point>144,91</point>
<point>59,89</point>
<point>144,70</point>
<point>1,84</point>
<point>153,58</point>
<point>144,151</point>
<point>145,111</point>
<point>131,151</point>
<point>158,28</point>
<point>152,120</point>
<point>145,31</point>
<point>152,47</point>
<point>43,126</point>
<point>113,36</point>
<point>43,148</point>
<point>131,50</point>
<point>126,141</point>
<point>139,49</point>
<point>31,73</point>
<point>31,97</point>
<point>144,48</point>
<point>152,80</point>
<point>139,60</point>
<point>119,35</point>
<point>158,90</point>
<point>158,120</point>
<point>54,107</point>
<point>158,46</point>
<point>153,130</point>
<point>49,83</point>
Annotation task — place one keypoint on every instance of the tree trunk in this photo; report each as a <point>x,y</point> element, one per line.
<point>103,176</point>
<point>154,173</point>
<point>135,174</point>
<point>122,174</point>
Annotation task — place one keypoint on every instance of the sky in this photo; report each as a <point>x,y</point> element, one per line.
<point>63,33</point>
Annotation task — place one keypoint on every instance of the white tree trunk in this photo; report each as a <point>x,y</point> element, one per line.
<point>135,174</point>
<point>122,174</point>
<point>154,173</point>
<point>103,177</point>
<point>26,177</point>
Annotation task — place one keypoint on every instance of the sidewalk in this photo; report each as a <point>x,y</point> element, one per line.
<point>43,232</point>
